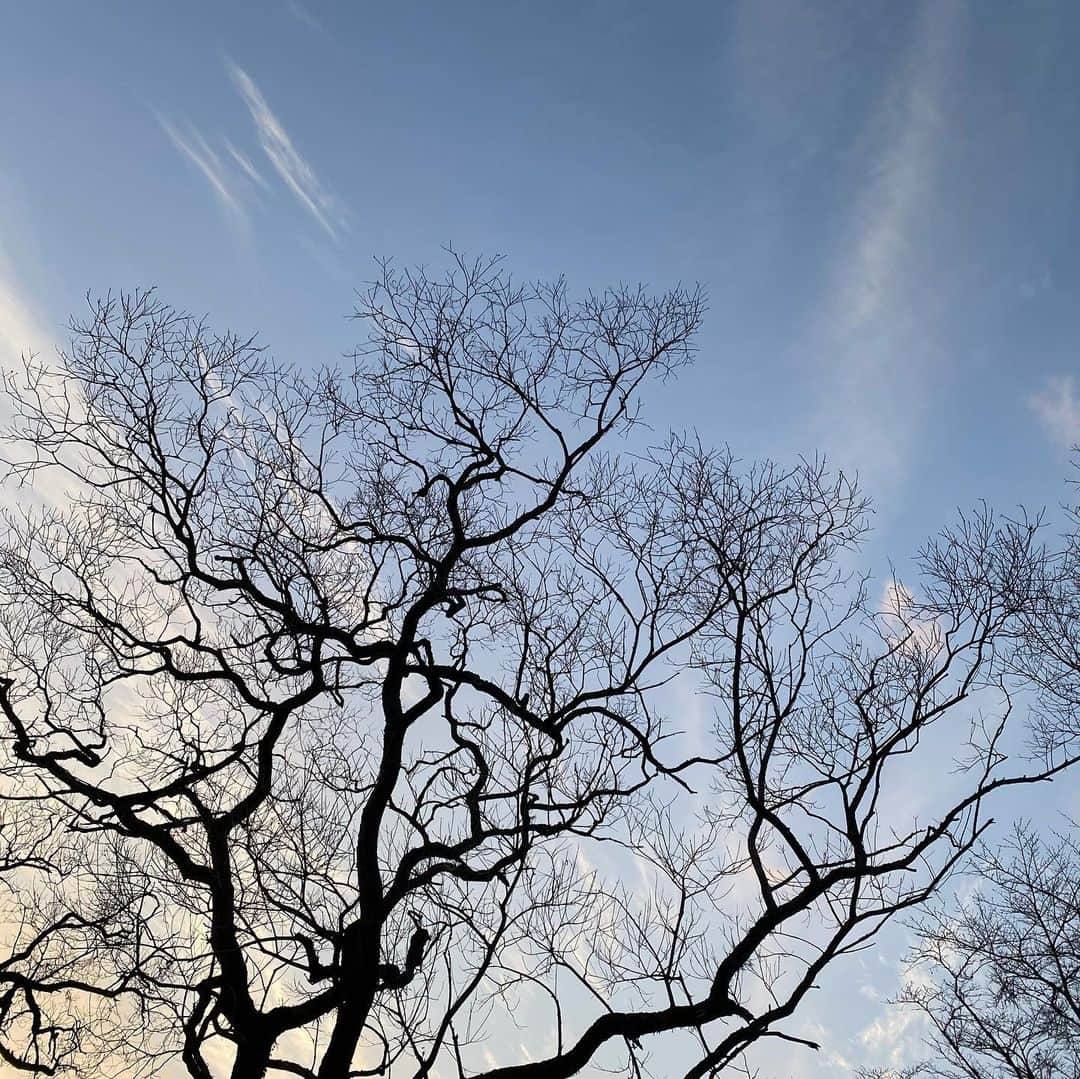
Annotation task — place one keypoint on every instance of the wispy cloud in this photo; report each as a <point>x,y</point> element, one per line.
<point>1058,409</point>
<point>888,1034</point>
<point>876,325</point>
<point>296,173</point>
<point>897,1035</point>
<point>246,166</point>
<point>24,333</point>
<point>304,15</point>
<point>20,330</point>
<point>199,152</point>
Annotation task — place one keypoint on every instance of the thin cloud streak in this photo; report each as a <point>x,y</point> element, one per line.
<point>197,150</point>
<point>297,174</point>
<point>246,166</point>
<point>299,12</point>
<point>877,355</point>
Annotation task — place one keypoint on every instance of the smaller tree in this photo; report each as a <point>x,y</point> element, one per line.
<point>1004,999</point>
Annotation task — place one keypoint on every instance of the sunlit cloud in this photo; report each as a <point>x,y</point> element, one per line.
<point>896,1036</point>
<point>1058,410</point>
<point>890,1036</point>
<point>904,628</point>
<point>296,173</point>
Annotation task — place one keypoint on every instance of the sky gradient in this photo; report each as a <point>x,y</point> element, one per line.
<point>880,199</point>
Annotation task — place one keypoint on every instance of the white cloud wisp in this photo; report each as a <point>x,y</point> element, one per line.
<point>294,171</point>
<point>1058,410</point>
<point>200,153</point>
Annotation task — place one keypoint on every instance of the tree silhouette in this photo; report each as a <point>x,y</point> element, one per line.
<point>997,965</point>
<point>1002,997</point>
<point>354,716</point>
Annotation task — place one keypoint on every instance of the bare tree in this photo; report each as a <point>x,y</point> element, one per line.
<point>1001,993</point>
<point>996,966</point>
<point>365,713</point>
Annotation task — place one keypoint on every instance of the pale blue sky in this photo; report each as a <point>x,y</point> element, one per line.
<point>880,198</point>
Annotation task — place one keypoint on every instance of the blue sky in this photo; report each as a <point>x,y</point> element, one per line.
<point>879,197</point>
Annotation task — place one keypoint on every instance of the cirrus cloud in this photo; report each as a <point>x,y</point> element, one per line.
<point>287,161</point>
